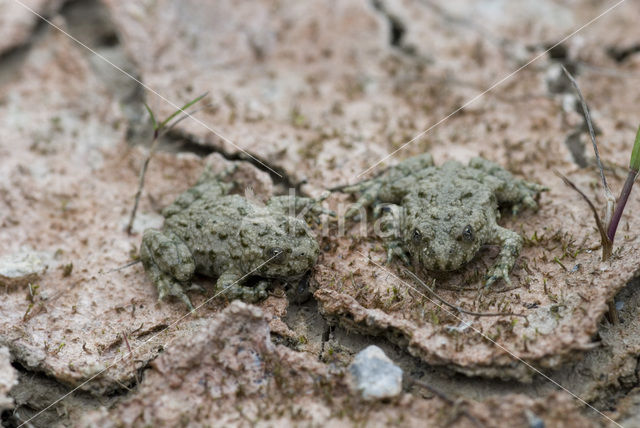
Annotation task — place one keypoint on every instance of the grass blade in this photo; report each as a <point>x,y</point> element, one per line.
<point>153,117</point>
<point>181,110</point>
<point>634,164</point>
<point>622,202</point>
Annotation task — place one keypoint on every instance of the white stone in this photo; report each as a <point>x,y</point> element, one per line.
<point>8,378</point>
<point>375,375</point>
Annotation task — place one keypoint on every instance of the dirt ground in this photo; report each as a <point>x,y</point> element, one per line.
<point>308,96</point>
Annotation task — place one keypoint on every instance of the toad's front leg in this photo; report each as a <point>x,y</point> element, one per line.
<point>168,262</point>
<point>510,247</point>
<point>388,226</point>
<point>230,285</point>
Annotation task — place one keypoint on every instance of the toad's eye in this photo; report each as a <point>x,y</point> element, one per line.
<point>417,236</point>
<point>275,254</point>
<point>467,233</point>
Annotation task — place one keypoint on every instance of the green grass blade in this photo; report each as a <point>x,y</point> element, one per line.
<point>184,107</point>
<point>153,118</point>
<point>635,154</point>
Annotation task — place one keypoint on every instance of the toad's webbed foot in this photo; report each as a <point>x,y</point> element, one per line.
<point>168,262</point>
<point>388,228</point>
<point>229,285</point>
<point>511,245</point>
<point>496,273</point>
<point>394,249</point>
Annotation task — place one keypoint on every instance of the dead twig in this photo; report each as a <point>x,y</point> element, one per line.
<point>133,363</point>
<point>458,308</point>
<point>611,200</point>
<point>119,268</point>
<point>607,245</point>
<point>444,397</point>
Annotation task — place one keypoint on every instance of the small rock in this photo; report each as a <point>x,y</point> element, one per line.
<point>557,82</point>
<point>375,375</point>
<point>8,378</point>
<point>533,419</point>
<point>21,268</point>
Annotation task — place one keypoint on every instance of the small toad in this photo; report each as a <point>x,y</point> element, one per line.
<point>210,232</point>
<point>439,216</point>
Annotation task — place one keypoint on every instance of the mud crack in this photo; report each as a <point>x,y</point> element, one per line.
<point>36,391</point>
<point>180,141</point>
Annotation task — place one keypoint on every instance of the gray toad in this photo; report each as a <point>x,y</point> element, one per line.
<point>441,216</point>
<point>210,232</point>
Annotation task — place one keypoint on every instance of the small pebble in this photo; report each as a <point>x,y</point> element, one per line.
<point>21,268</point>
<point>534,420</point>
<point>375,375</point>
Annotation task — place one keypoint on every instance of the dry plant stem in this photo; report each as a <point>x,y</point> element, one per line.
<point>444,397</point>
<point>613,312</point>
<point>611,200</point>
<point>613,212</point>
<point>622,201</point>
<point>143,172</point>
<point>607,245</point>
<point>159,129</point>
<point>126,341</point>
<point>135,262</point>
<point>458,308</point>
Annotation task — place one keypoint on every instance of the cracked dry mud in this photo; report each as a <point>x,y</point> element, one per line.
<point>309,95</point>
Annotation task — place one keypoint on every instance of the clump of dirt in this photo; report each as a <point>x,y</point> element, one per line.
<point>560,284</point>
<point>229,372</point>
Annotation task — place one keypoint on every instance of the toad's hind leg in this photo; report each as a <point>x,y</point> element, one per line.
<point>390,187</point>
<point>229,285</point>
<point>510,247</point>
<point>208,175</point>
<point>209,185</point>
<point>412,165</point>
<point>368,197</point>
<point>168,262</point>
<point>508,189</point>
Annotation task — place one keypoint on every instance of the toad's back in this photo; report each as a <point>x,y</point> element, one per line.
<point>454,187</point>
<point>211,229</point>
